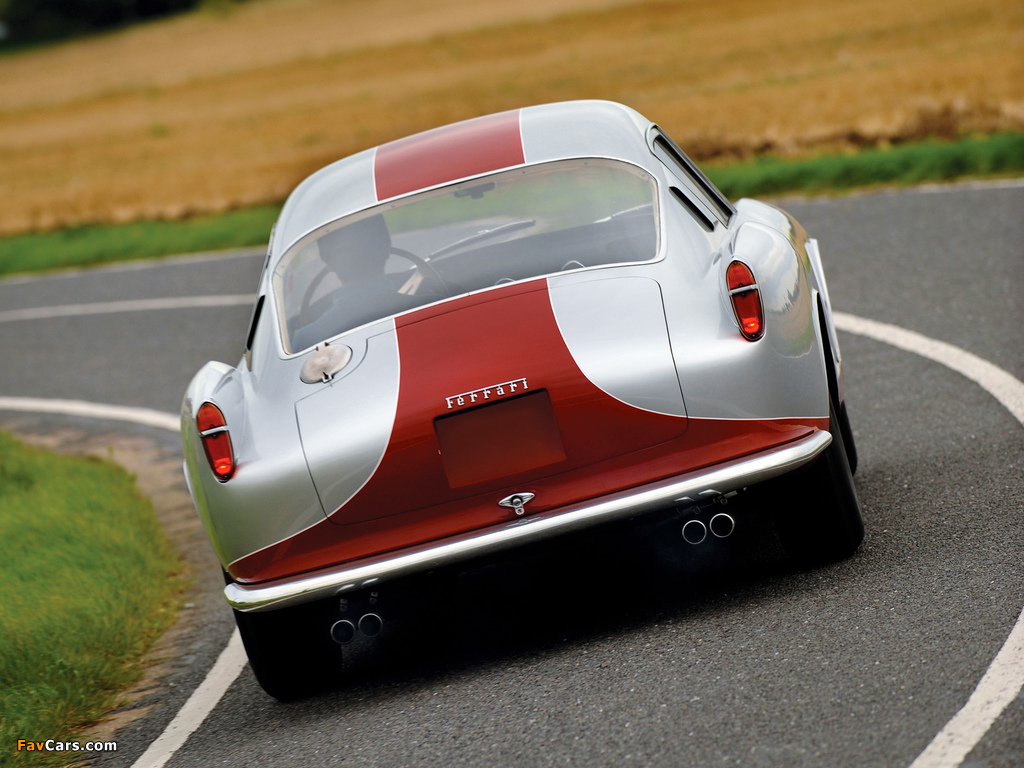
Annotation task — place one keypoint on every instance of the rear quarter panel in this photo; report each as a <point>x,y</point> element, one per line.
<point>722,375</point>
<point>271,495</point>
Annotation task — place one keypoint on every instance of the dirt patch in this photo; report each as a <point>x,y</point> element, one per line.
<point>928,120</point>
<point>204,113</point>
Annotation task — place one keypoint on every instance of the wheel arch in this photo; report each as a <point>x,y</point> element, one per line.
<point>834,378</point>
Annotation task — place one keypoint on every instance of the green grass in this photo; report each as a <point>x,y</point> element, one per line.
<point>928,161</point>
<point>88,583</point>
<point>91,245</point>
<point>1001,154</point>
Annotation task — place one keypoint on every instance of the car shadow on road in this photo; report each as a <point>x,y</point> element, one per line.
<point>617,579</point>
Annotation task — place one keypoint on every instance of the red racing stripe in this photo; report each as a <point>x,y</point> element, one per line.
<point>478,341</point>
<point>448,153</point>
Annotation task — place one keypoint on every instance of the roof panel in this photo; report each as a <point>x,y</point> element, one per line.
<point>448,153</point>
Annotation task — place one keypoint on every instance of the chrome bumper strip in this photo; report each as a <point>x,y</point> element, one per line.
<point>711,481</point>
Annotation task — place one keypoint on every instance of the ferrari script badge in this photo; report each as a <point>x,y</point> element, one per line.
<point>486,393</point>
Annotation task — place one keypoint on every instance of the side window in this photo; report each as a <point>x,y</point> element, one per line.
<point>258,308</point>
<point>270,244</point>
<point>253,323</point>
<point>697,183</point>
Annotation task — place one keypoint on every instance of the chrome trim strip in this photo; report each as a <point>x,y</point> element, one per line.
<point>744,289</point>
<point>624,504</point>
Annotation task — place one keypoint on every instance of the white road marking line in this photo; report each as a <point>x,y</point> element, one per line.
<point>131,305</point>
<point>1003,386</point>
<point>144,416</point>
<point>134,265</point>
<point>1000,684</point>
<point>194,711</point>
<point>1004,678</point>
<point>971,185</point>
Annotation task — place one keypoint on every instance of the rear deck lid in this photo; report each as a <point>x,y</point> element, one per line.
<point>489,397</point>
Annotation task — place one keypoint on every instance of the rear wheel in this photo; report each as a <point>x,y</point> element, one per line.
<point>288,653</point>
<point>815,509</point>
<point>848,443</point>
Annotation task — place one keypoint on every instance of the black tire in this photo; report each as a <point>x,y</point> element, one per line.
<point>816,510</point>
<point>847,432</point>
<point>289,651</point>
<point>833,388</point>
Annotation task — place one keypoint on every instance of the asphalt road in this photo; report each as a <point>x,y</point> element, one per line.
<point>634,653</point>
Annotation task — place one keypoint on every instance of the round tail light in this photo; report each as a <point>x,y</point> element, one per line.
<point>213,431</point>
<point>746,300</point>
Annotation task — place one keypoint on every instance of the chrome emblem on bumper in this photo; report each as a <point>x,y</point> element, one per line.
<point>517,501</point>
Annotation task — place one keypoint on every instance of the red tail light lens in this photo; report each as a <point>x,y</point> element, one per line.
<point>746,300</point>
<point>213,431</point>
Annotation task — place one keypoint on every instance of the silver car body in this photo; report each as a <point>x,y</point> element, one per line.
<point>658,336</point>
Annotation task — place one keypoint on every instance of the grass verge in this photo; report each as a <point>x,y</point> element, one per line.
<point>100,244</point>
<point>999,154</point>
<point>903,165</point>
<point>89,583</point>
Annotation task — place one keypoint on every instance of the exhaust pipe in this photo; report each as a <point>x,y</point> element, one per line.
<point>722,525</point>
<point>371,624</point>
<point>694,531</point>
<point>343,632</point>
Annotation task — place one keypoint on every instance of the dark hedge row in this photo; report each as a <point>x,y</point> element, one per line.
<point>35,20</point>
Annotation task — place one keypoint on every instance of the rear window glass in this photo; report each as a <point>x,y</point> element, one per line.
<point>510,226</point>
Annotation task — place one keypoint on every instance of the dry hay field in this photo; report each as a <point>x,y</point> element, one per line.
<point>232,105</point>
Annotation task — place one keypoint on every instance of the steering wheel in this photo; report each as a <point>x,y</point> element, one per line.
<point>424,267</point>
<point>309,310</point>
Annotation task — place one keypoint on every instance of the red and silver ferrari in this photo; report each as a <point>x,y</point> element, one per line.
<point>501,331</point>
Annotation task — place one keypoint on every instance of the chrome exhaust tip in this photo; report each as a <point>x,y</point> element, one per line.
<point>343,632</point>
<point>722,525</point>
<point>371,625</point>
<point>694,531</point>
